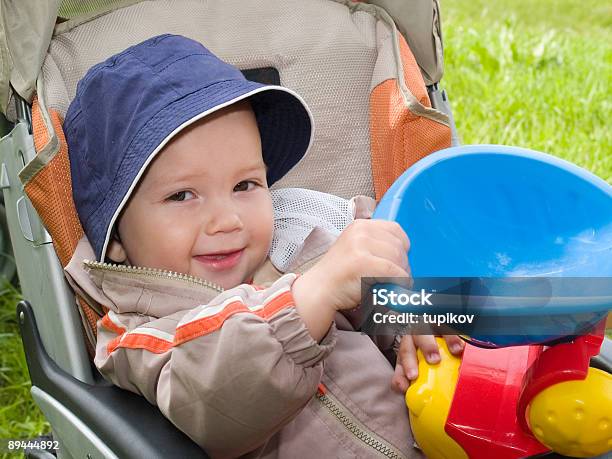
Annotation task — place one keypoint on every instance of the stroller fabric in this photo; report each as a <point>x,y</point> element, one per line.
<point>372,115</point>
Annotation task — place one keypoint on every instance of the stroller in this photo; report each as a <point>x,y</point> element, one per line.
<point>369,72</point>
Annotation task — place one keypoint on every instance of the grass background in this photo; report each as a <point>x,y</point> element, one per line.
<point>529,73</point>
<point>535,74</point>
<point>19,416</point>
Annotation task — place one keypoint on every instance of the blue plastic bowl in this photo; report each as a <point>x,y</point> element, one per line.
<point>507,213</point>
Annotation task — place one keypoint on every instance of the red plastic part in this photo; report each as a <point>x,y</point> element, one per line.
<point>482,418</point>
<point>562,362</point>
<point>495,386</point>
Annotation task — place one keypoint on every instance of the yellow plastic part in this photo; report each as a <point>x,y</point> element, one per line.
<point>429,399</point>
<point>574,418</point>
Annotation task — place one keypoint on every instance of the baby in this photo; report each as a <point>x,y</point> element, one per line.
<point>172,152</point>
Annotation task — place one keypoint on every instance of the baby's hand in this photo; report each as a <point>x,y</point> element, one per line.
<point>407,366</point>
<point>366,248</point>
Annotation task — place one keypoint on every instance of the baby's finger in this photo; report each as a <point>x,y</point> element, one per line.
<point>380,269</point>
<point>454,343</point>
<point>400,383</point>
<point>397,232</point>
<point>387,231</point>
<point>388,251</point>
<point>429,347</point>
<point>407,357</point>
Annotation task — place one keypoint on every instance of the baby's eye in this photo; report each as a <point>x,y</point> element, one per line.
<point>181,196</point>
<point>245,185</point>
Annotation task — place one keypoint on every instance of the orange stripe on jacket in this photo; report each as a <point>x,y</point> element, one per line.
<point>110,325</point>
<point>197,328</point>
<point>207,325</point>
<point>138,341</point>
<point>112,345</point>
<point>284,300</point>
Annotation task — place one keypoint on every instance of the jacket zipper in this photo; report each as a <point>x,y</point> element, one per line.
<point>356,427</point>
<point>155,272</point>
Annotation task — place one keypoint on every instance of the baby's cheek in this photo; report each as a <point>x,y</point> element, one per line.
<point>262,241</point>
<point>171,248</point>
<point>262,229</point>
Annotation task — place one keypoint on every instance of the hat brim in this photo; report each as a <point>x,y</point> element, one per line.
<point>285,124</point>
<point>285,127</point>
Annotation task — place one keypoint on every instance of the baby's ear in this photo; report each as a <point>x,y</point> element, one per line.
<point>115,251</point>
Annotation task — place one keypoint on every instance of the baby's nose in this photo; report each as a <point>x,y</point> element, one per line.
<point>224,219</point>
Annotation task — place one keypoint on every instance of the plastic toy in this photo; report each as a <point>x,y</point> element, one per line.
<point>509,213</point>
<point>429,400</point>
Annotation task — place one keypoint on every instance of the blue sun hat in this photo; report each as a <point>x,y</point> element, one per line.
<point>127,108</point>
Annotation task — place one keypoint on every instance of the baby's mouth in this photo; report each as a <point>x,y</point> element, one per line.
<point>220,261</point>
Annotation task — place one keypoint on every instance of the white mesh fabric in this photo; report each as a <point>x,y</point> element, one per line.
<point>297,212</point>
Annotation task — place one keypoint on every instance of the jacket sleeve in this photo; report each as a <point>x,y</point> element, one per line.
<point>306,224</point>
<point>229,374</point>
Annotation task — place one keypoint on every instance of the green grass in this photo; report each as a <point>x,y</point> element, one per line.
<point>530,73</point>
<point>535,74</point>
<point>19,415</point>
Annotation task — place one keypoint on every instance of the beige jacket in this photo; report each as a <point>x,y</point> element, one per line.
<point>237,370</point>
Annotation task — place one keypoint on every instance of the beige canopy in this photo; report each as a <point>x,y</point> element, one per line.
<point>27,27</point>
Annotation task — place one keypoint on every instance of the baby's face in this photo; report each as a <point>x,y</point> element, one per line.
<point>203,207</point>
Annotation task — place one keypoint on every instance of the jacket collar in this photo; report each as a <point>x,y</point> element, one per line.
<point>126,289</point>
